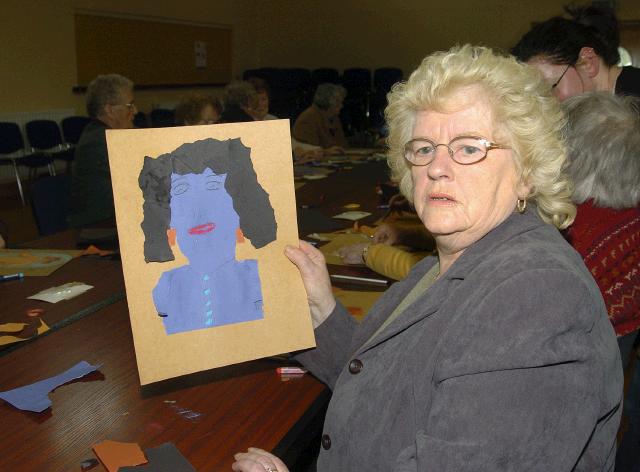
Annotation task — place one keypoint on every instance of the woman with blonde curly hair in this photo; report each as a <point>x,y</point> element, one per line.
<point>497,354</point>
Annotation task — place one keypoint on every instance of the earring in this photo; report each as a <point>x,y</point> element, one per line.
<point>521,205</point>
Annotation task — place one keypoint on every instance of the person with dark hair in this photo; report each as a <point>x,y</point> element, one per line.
<point>197,109</point>
<point>320,124</point>
<point>603,140</point>
<point>239,99</point>
<point>205,195</point>
<point>602,22</point>
<point>110,105</point>
<point>574,59</point>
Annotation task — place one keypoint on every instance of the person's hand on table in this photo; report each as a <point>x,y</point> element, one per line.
<point>333,151</point>
<point>303,156</point>
<point>257,460</point>
<point>353,254</point>
<point>315,277</point>
<point>386,234</point>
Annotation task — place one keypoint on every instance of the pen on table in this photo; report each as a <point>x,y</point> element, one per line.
<point>7,278</point>
<point>358,279</point>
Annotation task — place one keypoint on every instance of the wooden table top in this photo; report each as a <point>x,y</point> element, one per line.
<point>236,407</point>
<point>240,406</point>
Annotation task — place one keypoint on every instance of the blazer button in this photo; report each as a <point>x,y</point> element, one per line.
<point>326,442</point>
<point>355,366</point>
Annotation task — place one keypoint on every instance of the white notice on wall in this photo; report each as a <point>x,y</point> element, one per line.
<point>200,48</point>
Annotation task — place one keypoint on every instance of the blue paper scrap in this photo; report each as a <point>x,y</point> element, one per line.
<point>35,397</point>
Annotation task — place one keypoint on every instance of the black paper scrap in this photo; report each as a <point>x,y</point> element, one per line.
<point>164,458</point>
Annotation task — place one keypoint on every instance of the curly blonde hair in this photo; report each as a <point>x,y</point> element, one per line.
<point>527,118</point>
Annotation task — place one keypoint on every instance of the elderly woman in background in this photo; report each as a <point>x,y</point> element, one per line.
<point>603,137</point>
<point>497,354</point>
<point>110,105</point>
<point>320,123</point>
<point>240,99</point>
<point>197,109</point>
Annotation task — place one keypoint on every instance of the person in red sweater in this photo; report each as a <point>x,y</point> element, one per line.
<point>603,140</point>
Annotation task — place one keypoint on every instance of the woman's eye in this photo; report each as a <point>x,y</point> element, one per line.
<point>470,150</point>
<point>424,150</point>
<point>213,185</point>
<point>180,188</point>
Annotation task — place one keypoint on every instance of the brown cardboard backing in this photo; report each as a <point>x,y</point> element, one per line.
<point>286,325</point>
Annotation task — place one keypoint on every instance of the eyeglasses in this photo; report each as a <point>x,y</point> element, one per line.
<point>464,150</point>
<point>555,84</point>
<point>130,106</point>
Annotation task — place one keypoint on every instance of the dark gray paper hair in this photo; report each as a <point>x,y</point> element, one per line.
<point>231,157</point>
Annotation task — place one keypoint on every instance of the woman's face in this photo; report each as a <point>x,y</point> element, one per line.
<point>208,116</point>
<point>573,82</point>
<point>203,216</point>
<point>457,203</point>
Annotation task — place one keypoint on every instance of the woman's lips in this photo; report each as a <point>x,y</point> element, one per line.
<point>441,198</point>
<point>202,229</point>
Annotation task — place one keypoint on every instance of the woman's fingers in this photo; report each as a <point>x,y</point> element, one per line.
<point>257,460</point>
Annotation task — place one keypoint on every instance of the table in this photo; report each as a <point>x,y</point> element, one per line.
<point>237,406</point>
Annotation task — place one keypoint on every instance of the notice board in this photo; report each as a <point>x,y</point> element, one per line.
<point>152,52</point>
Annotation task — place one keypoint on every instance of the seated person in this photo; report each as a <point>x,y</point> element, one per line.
<point>603,137</point>
<point>197,109</point>
<point>260,111</point>
<point>396,245</point>
<point>320,123</point>
<point>110,104</point>
<point>574,59</point>
<point>239,100</point>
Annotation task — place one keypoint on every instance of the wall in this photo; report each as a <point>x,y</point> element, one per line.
<point>37,60</point>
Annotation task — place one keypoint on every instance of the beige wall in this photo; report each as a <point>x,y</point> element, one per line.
<point>37,60</point>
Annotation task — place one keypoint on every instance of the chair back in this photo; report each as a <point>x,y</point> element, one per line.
<point>10,138</point>
<point>357,81</point>
<point>72,128</point>
<point>325,75</point>
<point>51,202</point>
<point>162,118</point>
<point>385,77</point>
<point>140,120</point>
<point>43,134</point>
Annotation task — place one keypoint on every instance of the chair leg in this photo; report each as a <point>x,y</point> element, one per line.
<point>15,170</point>
<point>52,169</point>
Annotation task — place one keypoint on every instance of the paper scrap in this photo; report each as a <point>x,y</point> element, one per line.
<point>8,339</point>
<point>62,292</point>
<point>357,303</point>
<point>352,215</point>
<point>12,327</point>
<point>114,455</point>
<point>164,458</point>
<point>35,397</point>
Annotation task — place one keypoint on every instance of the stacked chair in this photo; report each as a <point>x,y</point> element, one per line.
<point>45,139</point>
<point>12,152</point>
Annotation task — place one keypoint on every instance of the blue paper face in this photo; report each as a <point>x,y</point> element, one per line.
<point>203,216</point>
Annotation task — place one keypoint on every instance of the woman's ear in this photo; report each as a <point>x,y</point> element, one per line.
<point>589,62</point>
<point>171,236</point>
<point>239,236</point>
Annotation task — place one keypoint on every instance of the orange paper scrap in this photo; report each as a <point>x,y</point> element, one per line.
<point>114,454</point>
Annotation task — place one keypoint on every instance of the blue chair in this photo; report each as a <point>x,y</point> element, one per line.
<point>51,202</point>
<point>72,128</point>
<point>162,118</point>
<point>45,138</point>
<point>12,152</point>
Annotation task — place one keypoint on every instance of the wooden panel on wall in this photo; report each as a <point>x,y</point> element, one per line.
<point>151,52</point>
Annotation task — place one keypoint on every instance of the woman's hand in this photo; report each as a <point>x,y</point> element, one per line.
<point>257,460</point>
<point>334,151</point>
<point>386,234</point>
<point>352,254</point>
<point>315,277</point>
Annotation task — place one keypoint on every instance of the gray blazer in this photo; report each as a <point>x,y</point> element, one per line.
<point>507,363</point>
